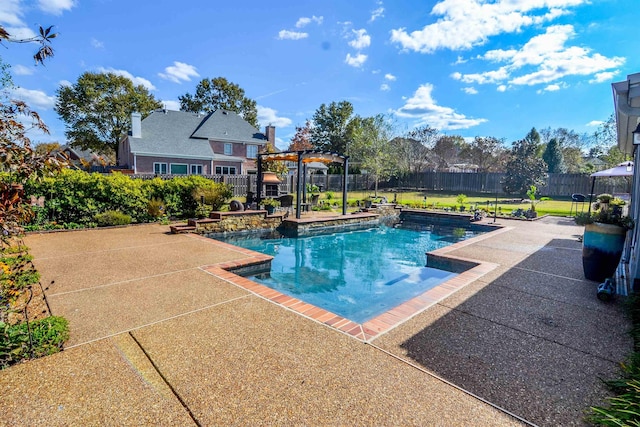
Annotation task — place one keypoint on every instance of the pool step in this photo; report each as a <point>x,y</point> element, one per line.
<point>201,221</point>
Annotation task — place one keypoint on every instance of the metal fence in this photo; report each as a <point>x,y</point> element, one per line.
<point>556,185</point>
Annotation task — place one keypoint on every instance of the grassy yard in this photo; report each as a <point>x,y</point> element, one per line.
<point>440,200</point>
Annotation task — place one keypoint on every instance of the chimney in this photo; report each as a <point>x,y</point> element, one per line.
<point>270,133</point>
<point>136,125</point>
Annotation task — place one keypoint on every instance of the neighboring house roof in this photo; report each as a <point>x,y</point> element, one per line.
<point>182,134</point>
<point>76,153</point>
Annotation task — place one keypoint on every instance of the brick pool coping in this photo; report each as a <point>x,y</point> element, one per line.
<point>370,329</point>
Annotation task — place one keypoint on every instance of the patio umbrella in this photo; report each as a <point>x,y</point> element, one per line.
<point>623,169</point>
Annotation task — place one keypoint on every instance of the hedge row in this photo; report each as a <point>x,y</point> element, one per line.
<point>76,197</point>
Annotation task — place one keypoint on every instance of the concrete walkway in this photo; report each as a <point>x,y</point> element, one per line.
<point>156,340</point>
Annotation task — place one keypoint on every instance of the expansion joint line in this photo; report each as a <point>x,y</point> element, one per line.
<point>449,383</point>
<point>173,390</point>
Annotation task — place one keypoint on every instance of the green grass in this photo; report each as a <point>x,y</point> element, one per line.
<point>441,200</point>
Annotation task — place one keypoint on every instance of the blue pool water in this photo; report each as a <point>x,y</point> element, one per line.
<point>358,274</point>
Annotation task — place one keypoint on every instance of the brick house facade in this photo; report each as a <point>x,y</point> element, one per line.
<point>177,142</point>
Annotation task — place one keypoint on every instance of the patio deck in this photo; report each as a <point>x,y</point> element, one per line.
<point>156,339</point>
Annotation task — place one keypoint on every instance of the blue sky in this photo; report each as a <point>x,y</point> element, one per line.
<point>467,67</point>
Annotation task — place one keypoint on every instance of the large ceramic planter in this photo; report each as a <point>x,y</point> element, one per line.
<point>602,247</point>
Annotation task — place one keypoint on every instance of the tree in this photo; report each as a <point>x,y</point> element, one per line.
<point>412,156</point>
<point>278,167</point>
<point>524,167</point>
<point>302,139</point>
<point>220,94</point>
<point>97,110</point>
<point>553,157</point>
<point>372,148</point>
<point>334,127</point>
<point>447,149</point>
<point>485,152</point>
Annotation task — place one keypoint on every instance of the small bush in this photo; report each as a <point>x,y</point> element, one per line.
<point>155,208</point>
<point>110,218</point>
<point>47,336</point>
<point>328,195</point>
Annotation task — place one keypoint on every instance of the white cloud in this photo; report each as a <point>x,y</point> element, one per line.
<point>268,116</point>
<point>20,33</point>
<point>375,71</point>
<point>423,109</point>
<point>545,58</point>
<point>463,24</point>
<point>470,90</point>
<point>377,13</point>
<point>305,21</point>
<point>136,80</point>
<point>385,87</point>
<point>291,35</point>
<point>605,76</point>
<point>179,72</point>
<point>171,105</point>
<point>96,43</point>
<point>360,39</point>
<point>21,70</point>
<point>35,98</point>
<point>390,77</point>
<point>549,88</point>
<point>460,60</point>
<point>355,61</point>
<point>65,83</point>
<point>595,123</point>
<point>502,88</point>
<point>55,7</point>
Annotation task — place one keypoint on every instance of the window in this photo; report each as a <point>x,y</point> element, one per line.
<point>178,169</point>
<point>160,168</point>
<point>228,149</point>
<point>252,151</point>
<point>225,170</point>
<point>196,169</point>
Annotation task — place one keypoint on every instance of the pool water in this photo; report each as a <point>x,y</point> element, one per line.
<point>357,274</point>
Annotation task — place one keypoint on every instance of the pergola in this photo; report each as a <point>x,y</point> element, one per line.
<point>302,158</point>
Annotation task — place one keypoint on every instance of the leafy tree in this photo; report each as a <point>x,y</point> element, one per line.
<point>412,156</point>
<point>334,127</point>
<point>524,167</point>
<point>302,139</point>
<point>46,147</point>
<point>486,153</point>
<point>426,135</point>
<point>276,166</point>
<point>447,149</point>
<point>220,94</point>
<point>553,157</point>
<point>97,110</point>
<point>613,156</point>
<point>372,148</point>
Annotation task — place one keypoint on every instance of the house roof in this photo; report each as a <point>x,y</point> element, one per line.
<point>179,133</point>
<point>222,125</point>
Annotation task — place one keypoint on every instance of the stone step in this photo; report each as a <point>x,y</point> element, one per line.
<point>182,228</point>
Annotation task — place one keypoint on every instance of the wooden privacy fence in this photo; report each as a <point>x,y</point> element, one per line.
<point>556,185</point>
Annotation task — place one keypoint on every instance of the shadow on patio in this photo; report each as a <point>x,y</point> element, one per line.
<point>533,339</point>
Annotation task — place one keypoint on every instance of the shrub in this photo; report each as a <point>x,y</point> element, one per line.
<point>155,208</point>
<point>109,218</point>
<point>328,195</point>
<point>47,337</point>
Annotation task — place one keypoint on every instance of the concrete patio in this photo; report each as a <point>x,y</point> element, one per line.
<point>158,340</point>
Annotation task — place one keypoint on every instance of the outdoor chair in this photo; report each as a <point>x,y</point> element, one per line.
<point>286,202</point>
<point>577,198</point>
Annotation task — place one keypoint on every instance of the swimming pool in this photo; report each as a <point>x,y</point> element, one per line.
<point>357,274</point>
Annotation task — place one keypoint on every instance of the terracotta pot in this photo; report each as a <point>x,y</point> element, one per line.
<point>602,247</point>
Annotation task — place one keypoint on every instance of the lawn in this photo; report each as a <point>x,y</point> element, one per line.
<point>442,200</point>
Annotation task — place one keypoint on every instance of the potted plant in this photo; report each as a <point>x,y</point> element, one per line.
<point>314,192</point>
<point>605,230</point>
<point>270,205</point>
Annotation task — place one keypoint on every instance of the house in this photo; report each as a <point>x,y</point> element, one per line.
<point>182,143</point>
<point>83,159</point>
<point>626,100</point>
